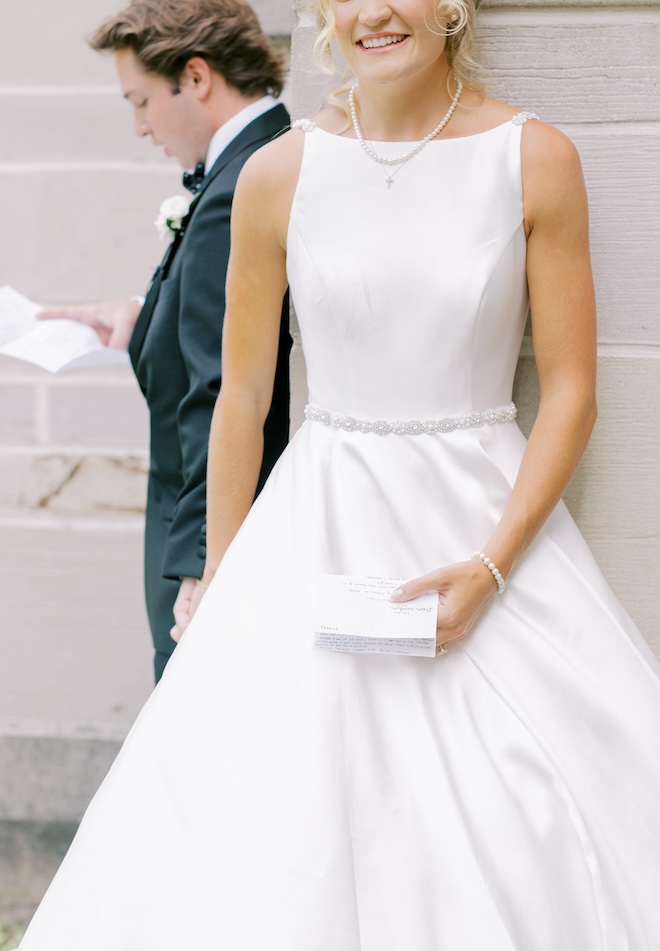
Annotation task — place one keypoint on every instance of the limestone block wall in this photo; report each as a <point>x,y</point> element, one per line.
<point>592,68</point>
<point>79,193</point>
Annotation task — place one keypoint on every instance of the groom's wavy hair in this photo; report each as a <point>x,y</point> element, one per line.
<point>165,34</point>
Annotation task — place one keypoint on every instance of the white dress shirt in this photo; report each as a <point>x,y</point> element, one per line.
<point>234,126</point>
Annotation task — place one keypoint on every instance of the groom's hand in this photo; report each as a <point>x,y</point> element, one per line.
<point>113,320</point>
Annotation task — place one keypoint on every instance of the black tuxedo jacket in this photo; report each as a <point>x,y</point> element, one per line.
<point>175,350</point>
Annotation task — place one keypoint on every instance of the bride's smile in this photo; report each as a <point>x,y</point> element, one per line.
<point>380,42</point>
<point>403,37</point>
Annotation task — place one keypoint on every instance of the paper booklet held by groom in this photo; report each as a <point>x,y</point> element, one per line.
<point>356,614</point>
<point>51,344</point>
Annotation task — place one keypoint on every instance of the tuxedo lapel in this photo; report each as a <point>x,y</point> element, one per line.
<point>144,317</point>
<point>260,131</point>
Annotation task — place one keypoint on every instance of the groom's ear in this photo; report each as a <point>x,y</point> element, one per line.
<point>197,75</point>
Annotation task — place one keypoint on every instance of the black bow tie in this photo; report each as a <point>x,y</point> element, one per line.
<point>193,180</point>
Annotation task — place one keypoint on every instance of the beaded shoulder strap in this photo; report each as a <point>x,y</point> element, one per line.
<point>524,117</point>
<point>307,125</point>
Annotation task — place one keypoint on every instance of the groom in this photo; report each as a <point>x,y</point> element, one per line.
<point>202,79</point>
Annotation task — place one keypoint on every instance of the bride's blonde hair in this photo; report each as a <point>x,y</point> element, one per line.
<point>455,18</point>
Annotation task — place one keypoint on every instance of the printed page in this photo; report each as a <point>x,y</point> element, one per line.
<point>51,344</point>
<point>356,614</point>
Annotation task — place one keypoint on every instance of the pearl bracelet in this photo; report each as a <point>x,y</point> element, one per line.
<point>492,567</point>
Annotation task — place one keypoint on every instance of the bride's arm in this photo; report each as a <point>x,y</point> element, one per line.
<point>564,332</point>
<point>564,329</point>
<point>256,283</point>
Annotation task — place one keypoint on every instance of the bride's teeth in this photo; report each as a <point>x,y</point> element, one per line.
<point>382,41</point>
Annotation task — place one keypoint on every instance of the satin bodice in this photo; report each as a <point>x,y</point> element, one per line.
<point>411,299</point>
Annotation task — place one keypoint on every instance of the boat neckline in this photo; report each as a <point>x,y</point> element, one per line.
<point>436,141</point>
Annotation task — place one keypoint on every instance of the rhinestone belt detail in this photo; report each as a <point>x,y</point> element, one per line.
<point>412,427</point>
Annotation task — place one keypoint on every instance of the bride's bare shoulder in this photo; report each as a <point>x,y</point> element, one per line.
<point>334,119</point>
<point>277,164</point>
<point>268,180</point>
<point>270,175</point>
<point>476,114</point>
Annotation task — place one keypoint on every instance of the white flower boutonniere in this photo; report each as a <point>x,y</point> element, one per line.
<point>171,215</point>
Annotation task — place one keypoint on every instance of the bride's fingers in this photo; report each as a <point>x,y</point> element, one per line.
<point>422,585</point>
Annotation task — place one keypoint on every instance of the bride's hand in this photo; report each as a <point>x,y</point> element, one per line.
<point>187,602</point>
<point>463,589</point>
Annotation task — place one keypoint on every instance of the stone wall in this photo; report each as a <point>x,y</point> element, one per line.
<point>79,194</point>
<point>592,68</point>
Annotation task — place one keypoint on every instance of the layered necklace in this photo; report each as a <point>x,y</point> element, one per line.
<point>399,160</point>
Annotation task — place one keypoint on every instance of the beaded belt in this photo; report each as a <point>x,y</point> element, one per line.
<point>412,427</point>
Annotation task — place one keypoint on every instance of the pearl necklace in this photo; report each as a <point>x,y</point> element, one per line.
<point>401,159</point>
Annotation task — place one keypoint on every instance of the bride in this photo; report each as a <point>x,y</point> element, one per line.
<point>503,795</point>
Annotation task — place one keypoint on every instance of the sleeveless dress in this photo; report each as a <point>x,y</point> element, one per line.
<point>503,797</point>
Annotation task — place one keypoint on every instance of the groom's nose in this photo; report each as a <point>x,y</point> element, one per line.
<point>141,125</point>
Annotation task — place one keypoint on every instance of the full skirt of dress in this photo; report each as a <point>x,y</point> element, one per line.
<point>500,798</point>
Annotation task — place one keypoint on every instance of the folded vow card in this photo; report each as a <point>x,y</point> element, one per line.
<point>355,613</point>
<point>51,344</point>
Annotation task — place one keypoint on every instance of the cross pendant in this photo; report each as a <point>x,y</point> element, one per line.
<point>390,181</point>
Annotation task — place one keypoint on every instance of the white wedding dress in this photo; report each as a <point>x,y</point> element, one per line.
<point>504,797</point>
